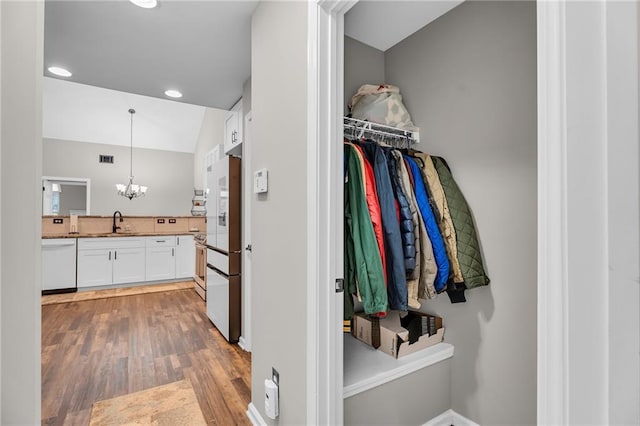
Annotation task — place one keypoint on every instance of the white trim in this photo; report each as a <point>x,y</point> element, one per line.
<point>254,416</point>
<point>553,380</point>
<point>242,342</point>
<point>247,277</point>
<point>425,358</point>
<point>324,210</point>
<point>449,418</point>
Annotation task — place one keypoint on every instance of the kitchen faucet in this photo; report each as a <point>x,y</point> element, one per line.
<point>115,228</point>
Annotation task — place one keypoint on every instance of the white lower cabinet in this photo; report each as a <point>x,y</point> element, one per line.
<point>121,260</point>
<point>161,262</point>
<point>185,256</point>
<point>95,268</point>
<point>129,265</point>
<point>107,261</point>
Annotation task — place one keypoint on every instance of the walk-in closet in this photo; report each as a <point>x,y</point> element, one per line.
<point>468,80</point>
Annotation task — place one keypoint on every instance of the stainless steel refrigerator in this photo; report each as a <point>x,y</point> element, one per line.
<point>224,246</point>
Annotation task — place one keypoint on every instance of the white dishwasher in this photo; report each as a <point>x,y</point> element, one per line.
<point>59,264</point>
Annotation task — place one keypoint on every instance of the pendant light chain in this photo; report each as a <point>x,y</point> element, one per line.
<point>131,112</point>
<point>131,190</point>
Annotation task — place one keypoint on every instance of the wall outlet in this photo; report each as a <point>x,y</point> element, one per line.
<point>57,220</point>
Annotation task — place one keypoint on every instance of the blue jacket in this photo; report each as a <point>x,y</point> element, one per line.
<point>396,273</point>
<point>433,231</point>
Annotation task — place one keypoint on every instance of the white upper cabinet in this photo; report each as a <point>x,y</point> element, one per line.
<point>233,129</point>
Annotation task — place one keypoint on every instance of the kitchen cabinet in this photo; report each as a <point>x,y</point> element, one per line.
<point>107,261</point>
<point>233,129</point>
<point>185,256</point>
<point>161,258</point>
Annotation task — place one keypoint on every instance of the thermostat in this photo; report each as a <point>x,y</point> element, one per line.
<point>260,181</point>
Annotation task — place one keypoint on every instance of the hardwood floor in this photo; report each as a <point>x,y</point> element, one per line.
<point>98,349</point>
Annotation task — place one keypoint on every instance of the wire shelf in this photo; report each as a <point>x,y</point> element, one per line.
<point>400,138</point>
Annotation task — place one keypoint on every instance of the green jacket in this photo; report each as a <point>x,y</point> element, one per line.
<point>469,254</point>
<point>362,262</point>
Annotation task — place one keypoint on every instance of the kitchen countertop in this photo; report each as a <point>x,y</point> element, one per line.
<point>118,234</point>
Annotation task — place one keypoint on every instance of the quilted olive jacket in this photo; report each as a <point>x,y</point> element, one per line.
<point>468,248</point>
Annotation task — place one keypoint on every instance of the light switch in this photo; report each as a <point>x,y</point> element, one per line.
<point>260,181</point>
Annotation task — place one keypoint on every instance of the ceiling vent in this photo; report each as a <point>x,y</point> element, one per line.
<point>106,159</point>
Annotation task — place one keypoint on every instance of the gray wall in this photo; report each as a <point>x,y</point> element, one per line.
<point>363,65</point>
<point>169,176</point>
<point>623,157</point>
<point>211,134</point>
<point>278,218</point>
<point>21,52</point>
<point>409,400</point>
<point>72,197</point>
<point>469,81</point>
<point>246,97</point>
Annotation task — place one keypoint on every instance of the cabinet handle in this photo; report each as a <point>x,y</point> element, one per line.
<point>178,240</point>
<point>115,255</point>
<point>172,252</point>
<point>109,254</point>
<point>160,241</point>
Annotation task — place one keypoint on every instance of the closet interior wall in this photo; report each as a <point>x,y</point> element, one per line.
<point>469,81</point>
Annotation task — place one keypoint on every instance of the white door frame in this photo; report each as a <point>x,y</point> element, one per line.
<point>324,210</point>
<point>325,82</point>
<point>247,194</point>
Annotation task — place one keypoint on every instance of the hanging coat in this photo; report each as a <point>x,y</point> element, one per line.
<point>373,204</point>
<point>405,218</point>
<point>439,250</point>
<point>396,273</point>
<point>469,254</point>
<point>362,257</point>
<point>422,285</point>
<point>443,216</point>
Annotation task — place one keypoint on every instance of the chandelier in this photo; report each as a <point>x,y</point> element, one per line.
<point>131,190</point>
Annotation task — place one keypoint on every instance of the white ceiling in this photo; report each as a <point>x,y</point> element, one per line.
<point>78,112</point>
<point>383,24</point>
<point>202,48</point>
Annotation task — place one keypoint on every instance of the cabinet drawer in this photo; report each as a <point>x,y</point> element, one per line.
<point>110,243</point>
<point>161,241</point>
<point>229,264</point>
<point>218,260</point>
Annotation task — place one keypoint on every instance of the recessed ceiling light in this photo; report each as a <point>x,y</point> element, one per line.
<point>59,71</point>
<point>173,93</point>
<point>147,4</point>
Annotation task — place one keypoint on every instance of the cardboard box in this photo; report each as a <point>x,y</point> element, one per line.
<point>388,335</point>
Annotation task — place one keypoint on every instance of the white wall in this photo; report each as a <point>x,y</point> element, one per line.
<point>278,218</point>
<point>211,134</point>
<point>21,38</point>
<point>168,174</point>
<point>469,81</point>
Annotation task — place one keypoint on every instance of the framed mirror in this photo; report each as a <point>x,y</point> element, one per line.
<point>63,196</point>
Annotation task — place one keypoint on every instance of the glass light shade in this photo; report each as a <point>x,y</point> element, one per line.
<point>131,190</point>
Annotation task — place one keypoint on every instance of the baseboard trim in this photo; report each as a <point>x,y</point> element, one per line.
<point>254,416</point>
<point>243,344</point>
<point>449,418</point>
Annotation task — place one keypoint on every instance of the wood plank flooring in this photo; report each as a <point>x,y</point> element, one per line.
<point>98,349</point>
